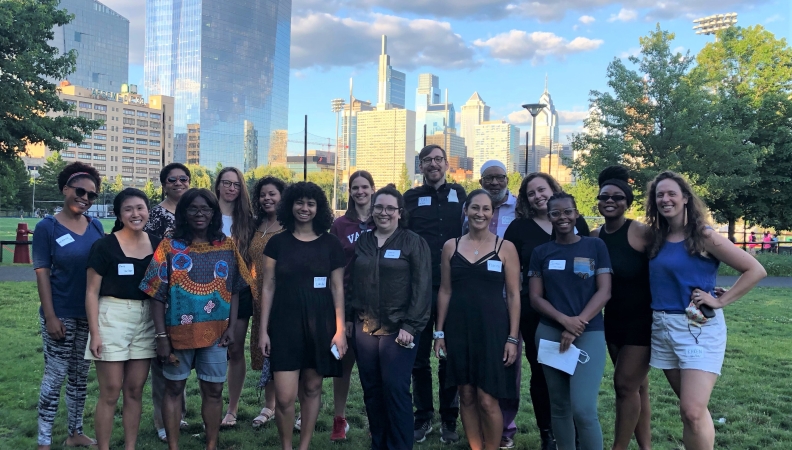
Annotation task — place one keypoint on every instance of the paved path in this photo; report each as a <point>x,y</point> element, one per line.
<point>25,273</point>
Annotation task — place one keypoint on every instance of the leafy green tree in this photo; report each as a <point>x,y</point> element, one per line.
<point>515,179</point>
<point>200,176</point>
<point>324,180</point>
<point>47,182</point>
<point>13,177</point>
<point>252,176</point>
<point>585,193</point>
<point>660,117</point>
<point>405,183</point>
<point>151,191</point>
<point>27,66</point>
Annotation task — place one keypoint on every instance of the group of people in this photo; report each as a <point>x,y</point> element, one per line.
<point>474,278</point>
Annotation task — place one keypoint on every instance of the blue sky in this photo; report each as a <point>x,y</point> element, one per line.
<point>500,48</point>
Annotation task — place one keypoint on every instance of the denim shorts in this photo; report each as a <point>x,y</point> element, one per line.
<point>210,364</point>
<point>678,345</point>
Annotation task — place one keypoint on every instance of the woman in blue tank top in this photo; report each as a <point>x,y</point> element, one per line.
<point>684,255</point>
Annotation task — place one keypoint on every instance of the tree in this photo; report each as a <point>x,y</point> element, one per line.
<point>27,64</point>
<point>515,180</point>
<point>750,70</point>
<point>200,177</point>
<point>661,117</point>
<point>405,183</point>
<point>585,193</point>
<point>151,191</point>
<point>47,182</point>
<point>252,176</point>
<point>324,180</point>
<point>13,177</point>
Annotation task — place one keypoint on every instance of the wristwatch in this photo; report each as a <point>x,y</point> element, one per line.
<point>439,335</point>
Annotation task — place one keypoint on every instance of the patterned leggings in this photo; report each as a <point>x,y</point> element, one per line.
<point>63,358</point>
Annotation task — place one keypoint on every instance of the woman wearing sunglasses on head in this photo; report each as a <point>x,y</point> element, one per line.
<point>628,314</point>
<point>348,228</point>
<point>476,328</point>
<point>238,224</point>
<point>61,245</point>
<point>175,180</point>
<point>688,326</point>
<point>390,305</point>
<point>121,341</point>
<point>570,283</point>
<point>195,278</point>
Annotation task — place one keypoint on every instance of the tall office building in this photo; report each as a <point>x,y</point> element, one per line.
<point>385,143</point>
<point>225,62</point>
<point>474,113</point>
<point>498,140</point>
<point>347,141</point>
<point>391,82</point>
<point>428,93</point>
<point>251,146</point>
<point>101,38</point>
<point>547,133</point>
<point>455,149</point>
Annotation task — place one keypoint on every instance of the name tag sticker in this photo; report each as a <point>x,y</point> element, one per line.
<point>126,269</point>
<point>424,201</point>
<point>576,231</point>
<point>320,282</point>
<point>494,266</point>
<point>505,220</point>
<point>695,352</point>
<point>557,264</point>
<point>64,240</point>
<point>392,254</point>
<point>452,196</point>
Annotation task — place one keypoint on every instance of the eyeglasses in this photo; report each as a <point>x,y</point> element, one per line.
<point>437,160</point>
<point>491,178</point>
<point>228,184</point>
<point>555,214</point>
<point>172,180</point>
<point>389,210</point>
<point>605,197</point>
<point>206,212</point>
<point>80,192</point>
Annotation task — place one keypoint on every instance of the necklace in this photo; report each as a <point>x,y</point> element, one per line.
<point>264,233</point>
<point>476,252</point>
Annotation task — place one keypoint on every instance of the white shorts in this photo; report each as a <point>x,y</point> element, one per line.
<point>678,345</point>
<point>126,329</point>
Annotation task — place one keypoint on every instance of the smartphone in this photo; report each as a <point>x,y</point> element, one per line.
<point>410,345</point>
<point>706,310</point>
<point>334,351</point>
<point>442,354</point>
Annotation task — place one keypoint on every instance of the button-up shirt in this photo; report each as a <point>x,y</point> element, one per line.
<point>436,216</point>
<point>501,217</point>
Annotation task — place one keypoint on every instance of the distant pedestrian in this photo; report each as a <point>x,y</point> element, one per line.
<point>689,343</point>
<point>766,239</point>
<point>61,246</point>
<point>390,305</point>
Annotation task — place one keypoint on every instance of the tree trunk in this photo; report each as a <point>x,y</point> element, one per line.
<point>731,229</point>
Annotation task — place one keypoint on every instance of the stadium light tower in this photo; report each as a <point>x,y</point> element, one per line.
<point>713,24</point>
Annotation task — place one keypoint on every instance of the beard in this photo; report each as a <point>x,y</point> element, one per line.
<point>497,198</point>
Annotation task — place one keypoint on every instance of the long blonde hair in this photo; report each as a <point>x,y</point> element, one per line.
<point>244,225</point>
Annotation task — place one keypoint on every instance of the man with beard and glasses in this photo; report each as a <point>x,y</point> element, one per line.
<point>495,181</point>
<point>435,213</point>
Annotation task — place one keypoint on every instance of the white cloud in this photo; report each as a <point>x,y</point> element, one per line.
<point>774,18</point>
<point>624,15</point>
<point>323,40</point>
<point>523,118</point>
<point>632,51</point>
<point>587,19</point>
<point>517,45</point>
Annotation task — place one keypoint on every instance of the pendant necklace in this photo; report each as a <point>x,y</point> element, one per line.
<point>476,252</point>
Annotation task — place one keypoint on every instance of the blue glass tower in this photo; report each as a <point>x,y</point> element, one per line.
<point>226,63</point>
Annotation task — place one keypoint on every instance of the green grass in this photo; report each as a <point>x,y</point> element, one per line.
<point>775,265</point>
<point>754,394</point>
<point>8,227</point>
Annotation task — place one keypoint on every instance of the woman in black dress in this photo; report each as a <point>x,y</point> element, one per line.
<point>302,314</point>
<point>529,230</point>
<point>475,327</point>
<point>628,314</point>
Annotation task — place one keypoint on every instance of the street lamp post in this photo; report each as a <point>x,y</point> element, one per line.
<point>34,174</point>
<point>534,109</point>
<point>337,104</point>
<point>712,24</point>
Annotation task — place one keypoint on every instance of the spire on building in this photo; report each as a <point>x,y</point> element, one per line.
<point>391,82</point>
<point>546,82</point>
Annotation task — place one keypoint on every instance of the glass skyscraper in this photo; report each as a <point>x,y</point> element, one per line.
<point>101,38</point>
<point>226,62</point>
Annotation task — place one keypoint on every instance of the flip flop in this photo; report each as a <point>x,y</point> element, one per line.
<point>264,416</point>
<point>228,423</point>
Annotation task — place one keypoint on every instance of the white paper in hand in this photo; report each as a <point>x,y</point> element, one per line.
<point>549,354</point>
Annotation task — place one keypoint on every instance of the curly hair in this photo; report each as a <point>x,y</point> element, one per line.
<point>305,189</point>
<point>523,208</point>
<point>279,184</point>
<point>696,222</point>
<point>182,228</point>
<point>242,224</point>
<point>391,190</point>
<point>119,200</point>
<point>82,171</point>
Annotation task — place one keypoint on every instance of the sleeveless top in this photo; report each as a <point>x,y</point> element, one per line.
<point>630,269</point>
<point>674,273</point>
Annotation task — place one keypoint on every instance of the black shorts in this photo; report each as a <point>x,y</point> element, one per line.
<point>245,310</point>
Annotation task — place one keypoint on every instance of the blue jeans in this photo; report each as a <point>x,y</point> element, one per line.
<point>385,368</point>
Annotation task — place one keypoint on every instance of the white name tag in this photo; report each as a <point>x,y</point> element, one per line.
<point>64,240</point>
<point>505,220</point>
<point>392,254</point>
<point>575,230</point>
<point>494,266</point>
<point>557,264</point>
<point>320,282</point>
<point>126,269</point>
<point>452,196</point>
<point>694,352</point>
<point>424,201</point>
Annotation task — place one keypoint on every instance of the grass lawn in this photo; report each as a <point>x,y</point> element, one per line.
<point>754,395</point>
<point>8,227</point>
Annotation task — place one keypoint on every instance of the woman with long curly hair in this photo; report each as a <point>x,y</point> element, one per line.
<point>688,325</point>
<point>302,307</point>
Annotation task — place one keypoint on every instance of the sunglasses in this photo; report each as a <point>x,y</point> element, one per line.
<point>606,197</point>
<point>184,179</point>
<point>80,192</point>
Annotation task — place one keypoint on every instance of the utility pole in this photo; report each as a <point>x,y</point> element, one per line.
<point>337,105</point>
<point>305,150</point>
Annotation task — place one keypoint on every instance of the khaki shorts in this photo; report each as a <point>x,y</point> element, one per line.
<point>126,329</point>
<point>677,345</point>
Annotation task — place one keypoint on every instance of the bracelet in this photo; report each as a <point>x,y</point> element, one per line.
<point>439,335</point>
<point>512,340</point>
<point>161,335</point>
